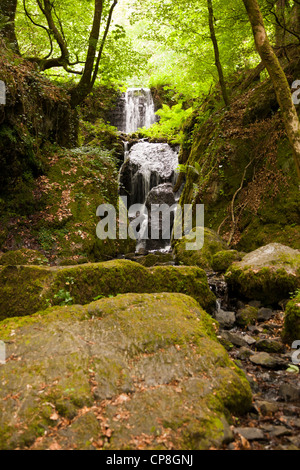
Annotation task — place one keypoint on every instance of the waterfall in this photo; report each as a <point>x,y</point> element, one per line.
<point>135,109</point>
<point>149,171</point>
<point>139,109</point>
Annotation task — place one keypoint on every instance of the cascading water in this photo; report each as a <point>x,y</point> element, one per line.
<point>148,173</point>
<point>139,109</point>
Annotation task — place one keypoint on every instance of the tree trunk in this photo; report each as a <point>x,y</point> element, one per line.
<point>277,75</point>
<point>279,27</point>
<point>8,11</point>
<point>84,86</point>
<point>216,51</point>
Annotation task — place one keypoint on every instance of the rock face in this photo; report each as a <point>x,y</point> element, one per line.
<point>138,371</point>
<point>27,289</point>
<point>159,227</point>
<point>204,257</point>
<point>268,274</point>
<point>147,166</point>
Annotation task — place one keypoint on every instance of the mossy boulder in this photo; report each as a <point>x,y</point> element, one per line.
<point>246,316</point>
<point>138,371</point>
<point>291,330</point>
<point>222,260</point>
<point>23,256</point>
<point>268,274</point>
<point>27,289</point>
<point>203,257</point>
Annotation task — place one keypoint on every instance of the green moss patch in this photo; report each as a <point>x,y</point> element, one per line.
<point>291,330</point>
<point>202,257</point>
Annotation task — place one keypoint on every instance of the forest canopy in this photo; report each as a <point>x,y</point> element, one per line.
<point>150,42</point>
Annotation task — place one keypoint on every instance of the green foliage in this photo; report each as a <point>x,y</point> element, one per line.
<point>170,124</point>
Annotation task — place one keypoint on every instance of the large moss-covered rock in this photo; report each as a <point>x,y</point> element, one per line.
<point>269,274</point>
<point>27,289</point>
<point>138,371</point>
<point>291,330</point>
<point>202,257</point>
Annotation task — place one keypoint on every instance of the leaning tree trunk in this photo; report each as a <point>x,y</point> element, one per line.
<point>277,75</point>
<point>216,51</point>
<point>8,13</point>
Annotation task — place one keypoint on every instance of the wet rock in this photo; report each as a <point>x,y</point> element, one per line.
<point>148,165</point>
<point>159,227</point>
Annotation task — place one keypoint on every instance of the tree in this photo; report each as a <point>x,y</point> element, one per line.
<point>278,77</point>
<point>8,13</point>
<point>216,51</point>
<point>44,15</point>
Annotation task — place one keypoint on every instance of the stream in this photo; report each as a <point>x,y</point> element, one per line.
<point>147,177</point>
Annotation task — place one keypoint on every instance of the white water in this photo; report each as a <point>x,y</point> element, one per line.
<point>148,164</point>
<point>139,109</point>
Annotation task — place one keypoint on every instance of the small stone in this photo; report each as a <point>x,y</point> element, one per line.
<point>279,431</point>
<point>225,319</point>
<point>264,314</point>
<point>246,316</point>
<point>251,434</point>
<point>244,353</point>
<point>267,408</point>
<point>249,340</point>
<point>266,360</point>
<point>289,392</point>
<point>269,345</point>
<point>234,338</point>
<point>254,329</point>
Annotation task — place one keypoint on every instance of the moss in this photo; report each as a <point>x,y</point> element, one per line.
<point>203,257</point>
<point>25,290</point>
<point>269,285</point>
<point>247,316</point>
<point>22,290</point>
<point>223,259</point>
<point>22,257</point>
<point>291,329</point>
